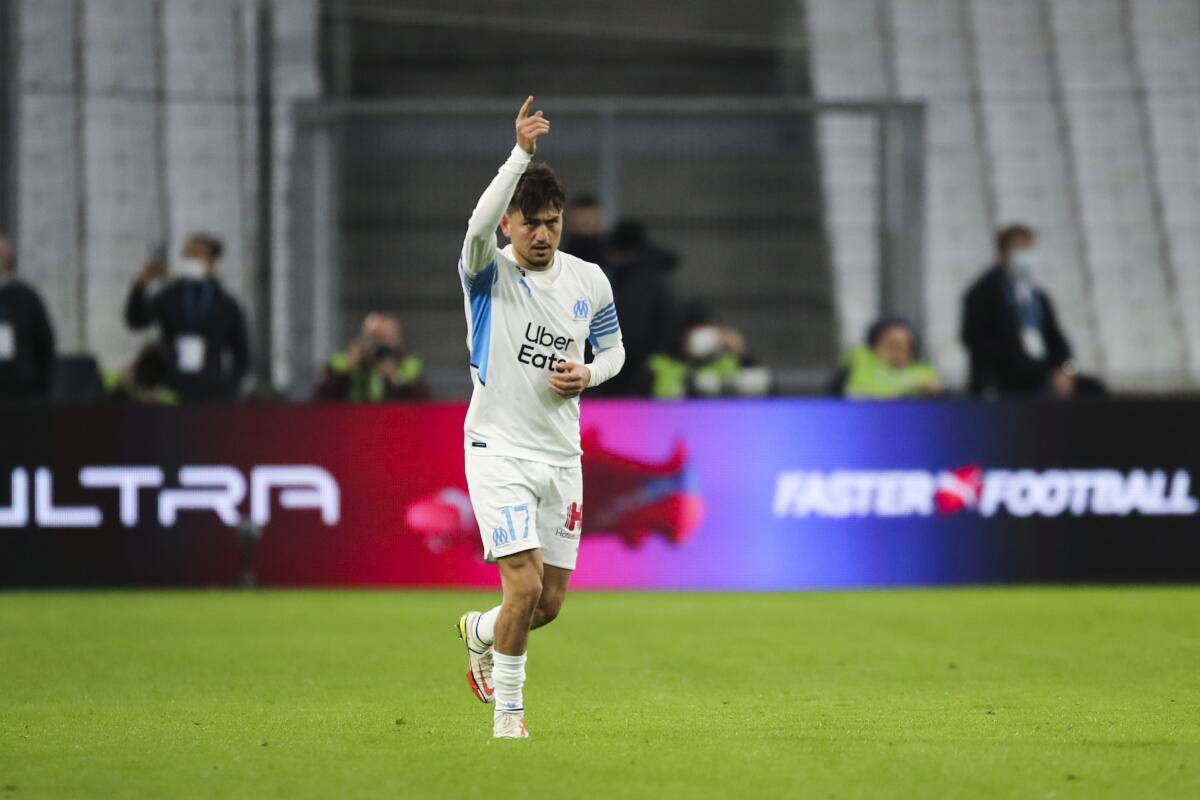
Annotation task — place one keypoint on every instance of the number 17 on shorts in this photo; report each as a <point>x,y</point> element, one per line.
<point>514,530</point>
<point>525,505</point>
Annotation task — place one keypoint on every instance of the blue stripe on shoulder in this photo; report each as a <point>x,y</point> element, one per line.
<point>479,289</point>
<point>594,339</point>
<point>604,330</point>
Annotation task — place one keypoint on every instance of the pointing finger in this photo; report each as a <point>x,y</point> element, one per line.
<point>524,112</point>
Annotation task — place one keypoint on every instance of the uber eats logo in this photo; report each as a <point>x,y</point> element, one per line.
<point>542,337</point>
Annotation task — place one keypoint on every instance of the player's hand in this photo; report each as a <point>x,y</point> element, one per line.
<point>570,379</point>
<point>529,129</point>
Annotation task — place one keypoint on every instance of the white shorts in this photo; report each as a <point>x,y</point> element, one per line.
<point>525,505</point>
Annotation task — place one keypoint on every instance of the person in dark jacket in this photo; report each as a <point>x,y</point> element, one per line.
<point>639,272</point>
<point>26,336</point>
<point>584,234</point>
<point>1011,330</point>
<point>201,325</point>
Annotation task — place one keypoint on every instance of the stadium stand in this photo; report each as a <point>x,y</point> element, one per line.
<point>136,125</point>
<point>1063,114</point>
<point>1166,42</point>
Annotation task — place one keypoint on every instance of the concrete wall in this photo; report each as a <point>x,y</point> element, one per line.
<point>137,123</point>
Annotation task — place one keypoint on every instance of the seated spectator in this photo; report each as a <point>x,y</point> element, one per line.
<point>26,337</point>
<point>886,368</point>
<point>201,325</point>
<point>711,362</point>
<point>639,272</point>
<point>143,381</point>
<point>374,367</point>
<point>1011,330</point>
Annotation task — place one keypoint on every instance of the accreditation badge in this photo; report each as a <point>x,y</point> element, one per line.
<point>1033,343</point>
<point>189,353</point>
<point>8,342</point>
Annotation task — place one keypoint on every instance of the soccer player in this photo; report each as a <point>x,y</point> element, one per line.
<point>529,310</point>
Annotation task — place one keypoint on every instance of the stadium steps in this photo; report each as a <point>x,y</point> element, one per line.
<point>1140,326</point>
<point>1166,42</point>
<point>1079,117</point>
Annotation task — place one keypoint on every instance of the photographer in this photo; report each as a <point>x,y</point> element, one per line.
<point>710,361</point>
<point>373,368</point>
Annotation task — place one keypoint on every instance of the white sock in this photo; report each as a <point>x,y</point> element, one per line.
<point>508,678</point>
<point>485,626</point>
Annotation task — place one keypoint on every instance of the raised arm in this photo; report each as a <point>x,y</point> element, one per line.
<point>479,248</point>
<point>141,310</point>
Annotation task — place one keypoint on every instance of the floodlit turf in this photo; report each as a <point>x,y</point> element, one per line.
<point>1085,693</point>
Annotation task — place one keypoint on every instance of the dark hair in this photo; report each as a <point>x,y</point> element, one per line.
<point>628,234</point>
<point>214,245</point>
<point>537,189</point>
<point>881,326</point>
<point>1007,235</point>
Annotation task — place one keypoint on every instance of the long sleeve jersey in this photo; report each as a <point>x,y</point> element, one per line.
<point>521,324</point>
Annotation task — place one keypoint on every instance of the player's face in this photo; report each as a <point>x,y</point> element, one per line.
<point>535,238</point>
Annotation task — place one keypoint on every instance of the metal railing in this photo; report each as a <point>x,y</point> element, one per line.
<point>315,322</point>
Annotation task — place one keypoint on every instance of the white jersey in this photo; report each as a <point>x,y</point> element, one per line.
<point>520,324</point>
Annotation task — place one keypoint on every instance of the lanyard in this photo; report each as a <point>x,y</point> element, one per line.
<point>1030,313</point>
<point>197,302</point>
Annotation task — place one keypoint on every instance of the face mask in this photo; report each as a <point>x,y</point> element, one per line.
<point>195,269</point>
<point>1024,263</point>
<point>703,342</point>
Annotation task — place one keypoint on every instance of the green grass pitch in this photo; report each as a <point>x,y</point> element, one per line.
<point>1022,693</point>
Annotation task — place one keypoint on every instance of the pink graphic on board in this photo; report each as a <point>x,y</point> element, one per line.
<point>627,498</point>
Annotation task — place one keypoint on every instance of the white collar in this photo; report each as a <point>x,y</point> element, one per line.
<point>543,277</point>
